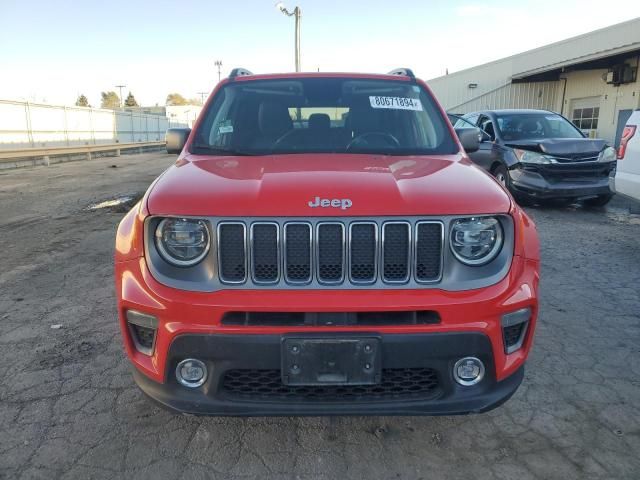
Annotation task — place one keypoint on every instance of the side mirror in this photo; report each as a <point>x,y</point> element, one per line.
<point>469,138</point>
<point>176,138</point>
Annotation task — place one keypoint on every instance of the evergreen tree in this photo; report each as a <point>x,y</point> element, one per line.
<point>130,101</point>
<point>82,101</point>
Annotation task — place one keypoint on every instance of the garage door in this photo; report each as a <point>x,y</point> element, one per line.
<point>585,113</point>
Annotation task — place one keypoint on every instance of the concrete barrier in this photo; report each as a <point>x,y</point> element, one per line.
<point>25,157</point>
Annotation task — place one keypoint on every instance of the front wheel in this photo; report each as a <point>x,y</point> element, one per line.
<point>599,201</point>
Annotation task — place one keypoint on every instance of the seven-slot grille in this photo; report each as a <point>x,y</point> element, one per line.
<point>360,252</point>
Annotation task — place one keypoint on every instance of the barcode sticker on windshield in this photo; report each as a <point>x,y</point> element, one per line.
<point>396,103</point>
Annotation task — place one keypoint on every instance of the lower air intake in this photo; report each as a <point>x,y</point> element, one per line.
<point>397,383</point>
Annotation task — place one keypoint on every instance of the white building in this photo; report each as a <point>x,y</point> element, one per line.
<point>176,114</point>
<point>591,79</point>
<point>186,114</point>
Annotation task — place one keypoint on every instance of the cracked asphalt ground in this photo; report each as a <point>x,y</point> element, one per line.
<point>69,408</point>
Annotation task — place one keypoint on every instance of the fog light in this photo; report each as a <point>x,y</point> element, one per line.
<point>191,373</point>
<point>468,371</point>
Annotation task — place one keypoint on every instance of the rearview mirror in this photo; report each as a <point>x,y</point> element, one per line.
<point>469,138</point>
<point>176,139</point>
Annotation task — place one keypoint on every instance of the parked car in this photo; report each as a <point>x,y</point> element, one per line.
<point>541,156</point>
<point>627,175</point>
<point>323,245</point>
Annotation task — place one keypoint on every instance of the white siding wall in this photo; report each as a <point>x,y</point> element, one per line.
<point>540,95</point>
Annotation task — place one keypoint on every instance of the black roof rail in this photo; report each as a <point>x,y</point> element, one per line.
<point>402,71</point>
<point>239,72</point>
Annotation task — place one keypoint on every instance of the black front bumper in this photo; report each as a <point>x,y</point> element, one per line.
<point>536,185</point>
<point>436,352</point>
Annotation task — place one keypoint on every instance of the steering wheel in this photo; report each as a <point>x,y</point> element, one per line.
<point>387,137</point>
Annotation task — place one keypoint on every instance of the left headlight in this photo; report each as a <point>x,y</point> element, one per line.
<point>609,154</point>
<point>182,242</point>
<point>476,241</point>
<point>526,156</point>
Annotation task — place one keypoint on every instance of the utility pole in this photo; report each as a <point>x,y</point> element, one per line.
<point>297,14</point>
<point>202,94</point>
<point>120,87</point>
<point>218,63</point>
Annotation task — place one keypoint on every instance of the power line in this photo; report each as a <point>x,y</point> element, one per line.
<point>120,87</point>
<point>218,63</point>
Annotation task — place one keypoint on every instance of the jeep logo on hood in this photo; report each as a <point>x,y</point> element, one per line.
<point>342,203</point>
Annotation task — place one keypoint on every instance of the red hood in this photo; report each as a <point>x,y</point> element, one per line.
<point>283,185</point>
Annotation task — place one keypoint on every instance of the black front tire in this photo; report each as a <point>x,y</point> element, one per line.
<point>501,174</point>
<point>599,201</point>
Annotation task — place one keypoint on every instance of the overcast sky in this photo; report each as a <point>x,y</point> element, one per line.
<point>53,50</point>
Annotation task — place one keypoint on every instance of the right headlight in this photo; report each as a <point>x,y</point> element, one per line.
<point>182,242</point>
<point>476,241</point>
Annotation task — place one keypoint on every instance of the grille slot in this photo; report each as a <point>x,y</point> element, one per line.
<point>395,252</point>
<point>297,238</point>
<point>232,259</point>
<point>264,252</point>
<point>266,385</point>
<point>330,244</point>
<point>363,240</point>
<point>428,251</point>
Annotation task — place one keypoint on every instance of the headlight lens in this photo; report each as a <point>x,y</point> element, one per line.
<point>525,156</point>
<point>609,154</point>
<point>182,242</point>
<point>476,241</point>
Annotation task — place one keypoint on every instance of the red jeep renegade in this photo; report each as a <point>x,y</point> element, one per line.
<point>323,245</point>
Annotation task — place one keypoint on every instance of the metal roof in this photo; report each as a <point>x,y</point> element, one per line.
<point>606,42</point>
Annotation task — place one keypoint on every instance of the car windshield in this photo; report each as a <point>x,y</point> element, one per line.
<point>316,115</point>
<point>534,126</point>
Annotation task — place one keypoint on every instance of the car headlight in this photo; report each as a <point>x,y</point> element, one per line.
<point>476,241</point>
<point>525,156</point>
<point>609,154</point>
<point>182,242</point>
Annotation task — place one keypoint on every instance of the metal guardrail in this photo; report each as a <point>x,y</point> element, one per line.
<point>9,155</point>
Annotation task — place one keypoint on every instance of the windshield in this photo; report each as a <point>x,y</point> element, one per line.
<point>315,115</point>
<point>534,126</point>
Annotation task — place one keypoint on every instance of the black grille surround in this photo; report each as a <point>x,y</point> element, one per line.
<point>396,384</point>
<point>330,252</point>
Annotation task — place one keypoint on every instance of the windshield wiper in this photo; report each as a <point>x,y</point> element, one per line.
<point>208,149</point>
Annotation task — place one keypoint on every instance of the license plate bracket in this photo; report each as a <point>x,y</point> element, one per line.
<point>321,361</point>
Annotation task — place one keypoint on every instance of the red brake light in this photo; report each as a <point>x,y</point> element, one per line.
<point>628,132</point>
